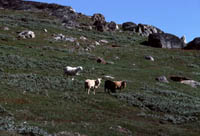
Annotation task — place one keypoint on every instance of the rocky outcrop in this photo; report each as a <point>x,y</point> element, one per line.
<point>146,30</point>
<point>194,44</point>
<point>129,26</point>
<point>99,22</point>
<point>65,13</point>
<point>165,40</point>
<point>141,29</point>
<point>112,26</point>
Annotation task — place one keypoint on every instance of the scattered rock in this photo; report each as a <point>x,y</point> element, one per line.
<point>6,29</point>
<point>104,41</point>
<point>121,130</point>
<point>45,30</point>
<point>110,62</point>
<point>149,58</point>
<point>101,60</point>
<point>97,43</point>
<point>83,38</point>
<point>162,79</point>
<point>61,37</point>
<point>192,83</point>
<point>164,40</point>
<point>65,133</point>
<point>26,34</point>
<point>194,44</point>
<point>8,124</point>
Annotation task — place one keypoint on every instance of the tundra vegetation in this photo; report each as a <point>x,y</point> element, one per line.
<point>34,94</point>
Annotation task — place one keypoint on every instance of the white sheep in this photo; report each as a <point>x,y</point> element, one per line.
<point>72,71</point>
<point>92,84</point>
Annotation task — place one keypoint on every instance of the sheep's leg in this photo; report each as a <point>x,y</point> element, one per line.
<point>88,91</point>
<point>94,92</point>
<point>105,89</point>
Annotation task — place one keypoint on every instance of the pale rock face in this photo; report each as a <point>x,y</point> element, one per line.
<point>6,29</point>
<point>184,39</point>
<point>191,83</point>
<point>83,38</point>
<point>162,79</point>
<point>97,43</point>
<point>149,58</point>
<point>103,41</point>
<point>61,37</point>
<point>73,10</point>
<point>45,30</point>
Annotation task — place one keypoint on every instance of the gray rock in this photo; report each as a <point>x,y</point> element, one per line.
<point>45,30</point>
<point>149,58</point>
<point>162,79</point>
<point>83,38</point>
<point>194,44</point>
<point>104,41</point>
<point>191,83</point>
<point>183,38</point>
<point>6,29</point>
<point>129,26</point>
<point>146,30</point>
<point>164,40</point>
<point>99,22</point>
<point>113,26</point>
<point>61,37</point>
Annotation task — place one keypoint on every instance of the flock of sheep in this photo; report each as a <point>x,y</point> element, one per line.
<point>91,84</point>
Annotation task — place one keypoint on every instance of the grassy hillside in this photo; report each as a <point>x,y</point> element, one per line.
<point>34,90</point>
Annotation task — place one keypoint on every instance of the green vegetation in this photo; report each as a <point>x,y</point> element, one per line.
<point>34,90</point>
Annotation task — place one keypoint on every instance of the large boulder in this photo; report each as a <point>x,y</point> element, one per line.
<point>98,17</point>
<point>99,22</point>
<point>165,40</point>
<point>112,26</point>
<point>146,30</point>
<point>141,29</point>
<point>129,26</point>
<point>194,44</point>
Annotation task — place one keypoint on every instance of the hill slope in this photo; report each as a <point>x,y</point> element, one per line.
<point>34,90</point>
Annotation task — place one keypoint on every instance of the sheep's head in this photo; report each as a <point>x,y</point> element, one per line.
<point>99,79</point>
<point>80,68</point>
<point>124,84</point>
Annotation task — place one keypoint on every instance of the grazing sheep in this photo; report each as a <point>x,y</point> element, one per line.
<point>72,71</point>
<point>113,85</point>
<point>92,84</point>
